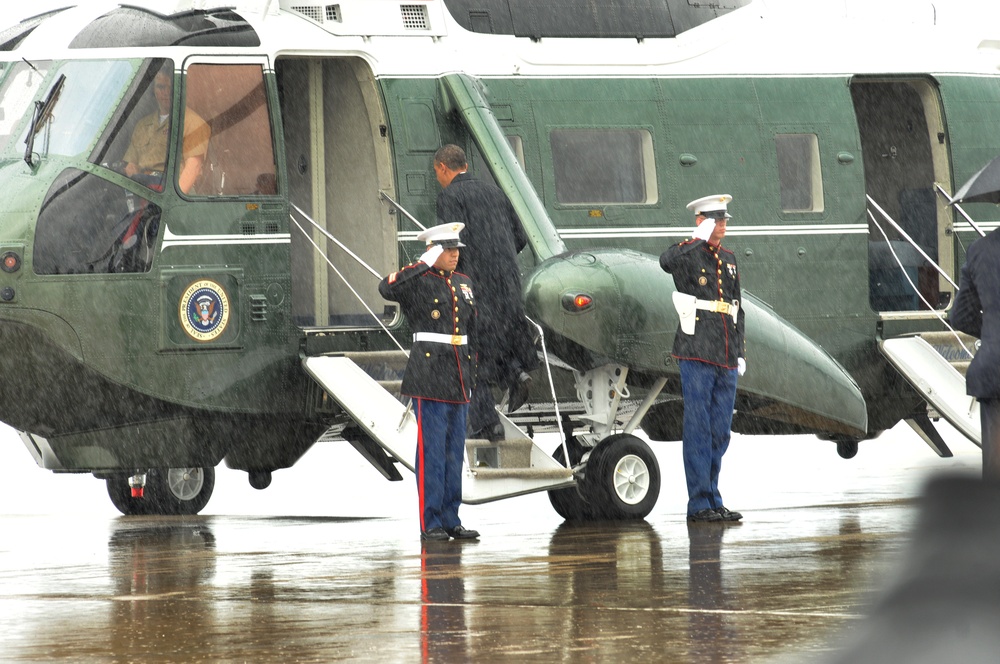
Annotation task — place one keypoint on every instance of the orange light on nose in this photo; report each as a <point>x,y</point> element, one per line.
<point>577,302</point>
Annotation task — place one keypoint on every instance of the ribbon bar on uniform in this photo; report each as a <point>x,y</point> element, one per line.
<point>437,338</point>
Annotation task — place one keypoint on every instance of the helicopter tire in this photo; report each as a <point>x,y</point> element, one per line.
<point>568,503</point>
<point>847,449</point>
<point>623,478</point>
<point>168,491</point>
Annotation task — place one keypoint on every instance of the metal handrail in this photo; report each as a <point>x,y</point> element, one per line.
<point>962,212</point>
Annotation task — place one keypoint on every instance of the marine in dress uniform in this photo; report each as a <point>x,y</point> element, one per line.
<point>710,350</point>
<point>977,312</point>
<point>440,374</point>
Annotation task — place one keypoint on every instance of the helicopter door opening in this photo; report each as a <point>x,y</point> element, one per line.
<point>903,143</point>
<point>338,159</point>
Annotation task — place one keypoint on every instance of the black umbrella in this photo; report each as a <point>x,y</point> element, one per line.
<point>983,187</point>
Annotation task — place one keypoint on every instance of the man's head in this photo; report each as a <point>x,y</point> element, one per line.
<point>445,236</point>
<point>712,207</point>
<point>163,86</point>
<point>449,161</point>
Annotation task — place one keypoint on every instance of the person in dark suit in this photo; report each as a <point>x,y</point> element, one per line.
<point>440,306</point>
<point>710,350</point>
<point>977,312</point>
<point>494,236</point>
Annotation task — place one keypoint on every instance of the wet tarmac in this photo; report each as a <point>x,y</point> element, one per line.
<point>336,572</point>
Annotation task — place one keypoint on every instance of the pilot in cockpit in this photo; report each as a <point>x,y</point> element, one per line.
<point>145,158</point>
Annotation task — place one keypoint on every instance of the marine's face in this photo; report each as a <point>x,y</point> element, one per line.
<point>719,232</point>
<point>448,260</point>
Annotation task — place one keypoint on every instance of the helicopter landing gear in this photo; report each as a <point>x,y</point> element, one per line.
<point>618,475</point>
<point>847,449</point>
<point>621,482</point>
<point>167,491</point>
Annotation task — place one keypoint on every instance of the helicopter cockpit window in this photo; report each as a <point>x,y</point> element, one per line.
<point>136,142</point>
<point>232,100</point>
<point>81,95</point>
<point>88,225</point>
<point>603,166</point>
<point>19,86</point>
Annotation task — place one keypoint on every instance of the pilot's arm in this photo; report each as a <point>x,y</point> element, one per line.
<point>196,135</point>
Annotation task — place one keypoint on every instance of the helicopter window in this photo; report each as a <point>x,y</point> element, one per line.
<point>604,166</point>
<point>240,154</point>
<point>799,172</point>
<point>19,87</point>
<point>80,109</point>
<point>136,141</point>
<point>88,225</point>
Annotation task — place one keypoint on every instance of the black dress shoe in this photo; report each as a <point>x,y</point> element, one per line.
<point>517,393</point>
<point>435,535</point>
<point>705,516</point>
<point>461,532</point>
<point>727,514</point>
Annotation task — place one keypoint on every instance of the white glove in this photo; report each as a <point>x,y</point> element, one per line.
<point>432,254</point>
<point>705,228</point>
<point>741,365</point>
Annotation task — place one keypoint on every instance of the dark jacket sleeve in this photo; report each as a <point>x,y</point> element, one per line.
<point>967,314</point>
<point>675,255</point>
<point>398,285</point>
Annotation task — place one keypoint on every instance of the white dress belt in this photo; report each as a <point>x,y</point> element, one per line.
<point>438,338</point>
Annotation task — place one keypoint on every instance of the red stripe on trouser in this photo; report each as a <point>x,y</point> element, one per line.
<point>420,463</point>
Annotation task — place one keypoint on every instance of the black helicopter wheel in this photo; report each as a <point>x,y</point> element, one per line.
<point>847,449</point>
<point>568,503</point>
<point>168,491</point>
<point>623,478</point>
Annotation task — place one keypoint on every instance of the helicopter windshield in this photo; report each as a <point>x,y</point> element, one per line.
<point>92,89</point>
<point>20,84</point>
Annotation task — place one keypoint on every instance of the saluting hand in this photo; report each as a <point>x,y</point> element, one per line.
<point>432,254</point>
<point>705,229</point>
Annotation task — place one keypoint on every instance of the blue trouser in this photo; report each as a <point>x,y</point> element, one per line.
<point>440,446</point>
<point>709,395</point>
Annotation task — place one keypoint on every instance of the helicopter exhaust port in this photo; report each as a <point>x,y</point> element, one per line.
<point>138,484</point>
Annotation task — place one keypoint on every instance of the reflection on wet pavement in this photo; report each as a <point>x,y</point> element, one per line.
<point>784,585</point>
<point>191,589</point>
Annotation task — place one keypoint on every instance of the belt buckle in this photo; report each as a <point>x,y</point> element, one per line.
<point>456,340</point>
<point>720,307</point>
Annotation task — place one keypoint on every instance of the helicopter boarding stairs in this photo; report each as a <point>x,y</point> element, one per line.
<point>934,363</point>
<point>491,470</point>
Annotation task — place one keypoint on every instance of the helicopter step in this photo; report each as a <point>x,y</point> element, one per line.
<point>934,365</point>
<point>495,469</point>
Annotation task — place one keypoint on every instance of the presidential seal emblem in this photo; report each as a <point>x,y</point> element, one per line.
<point>204,310</point>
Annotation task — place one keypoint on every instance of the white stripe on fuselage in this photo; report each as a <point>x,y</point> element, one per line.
<point>173,240</point>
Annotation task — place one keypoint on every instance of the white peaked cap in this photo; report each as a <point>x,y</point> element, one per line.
<point>714,203</point>
<point>445,235</point>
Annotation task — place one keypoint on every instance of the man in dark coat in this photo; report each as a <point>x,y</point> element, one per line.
<point>440,374</point>
<point>709,347</point>
<point>493,236</point>
<point>977,312</point>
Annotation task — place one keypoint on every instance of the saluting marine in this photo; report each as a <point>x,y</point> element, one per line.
<point>710,350</point>
<point>440,374</point>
